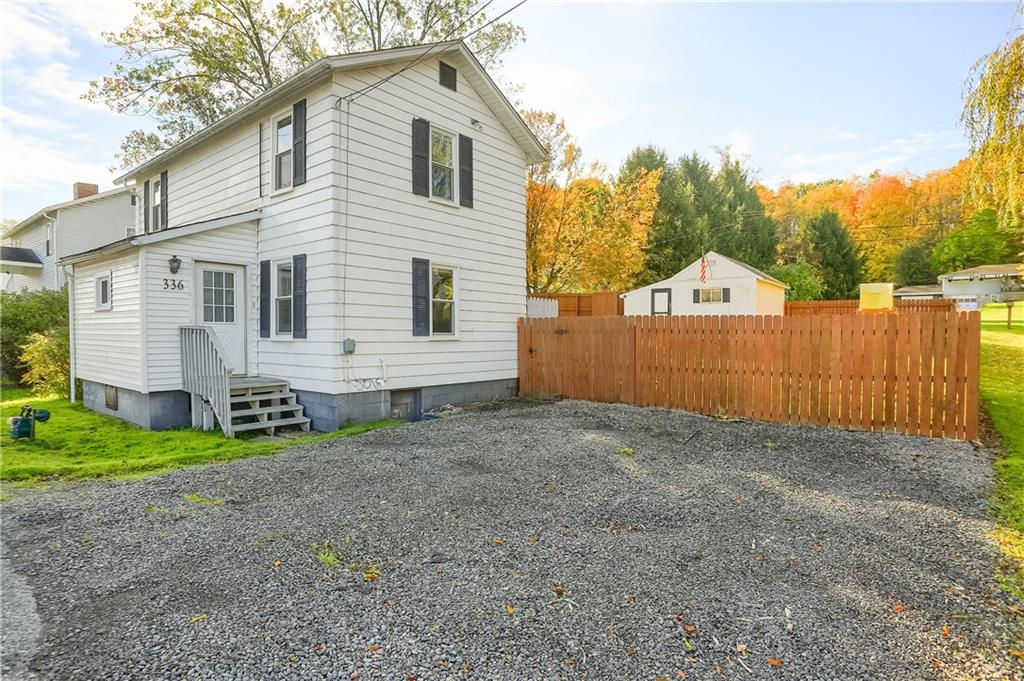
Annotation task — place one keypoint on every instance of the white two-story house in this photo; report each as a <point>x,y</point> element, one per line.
<point>31,248</point>
<point>348,246</point>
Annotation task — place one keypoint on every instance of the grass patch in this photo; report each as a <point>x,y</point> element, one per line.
<point>1002,375</point>
<point>77,443</point>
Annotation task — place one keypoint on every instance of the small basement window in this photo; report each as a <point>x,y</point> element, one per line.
<point>103,292</point>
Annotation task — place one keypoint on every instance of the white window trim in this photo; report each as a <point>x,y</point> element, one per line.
<point>109,278</point>
<point>274,151</point>
<point>154,206</point>
<point>454,201</point>
<point>456,312</point>
<point>274,264</point>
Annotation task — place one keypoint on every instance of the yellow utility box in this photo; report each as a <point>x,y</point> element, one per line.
<point>876,298</point>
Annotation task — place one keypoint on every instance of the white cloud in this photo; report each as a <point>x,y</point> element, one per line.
<point>25,31</point>
<point>31,164</point>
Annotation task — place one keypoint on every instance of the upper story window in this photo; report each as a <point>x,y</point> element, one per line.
<point>155,206</point>
<point>283,153</point>
<point>442,164</point>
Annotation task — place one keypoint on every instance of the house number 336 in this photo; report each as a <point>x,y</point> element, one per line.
<point>176,284</point>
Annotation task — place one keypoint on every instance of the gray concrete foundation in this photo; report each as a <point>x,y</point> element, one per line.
<point>152,411</point>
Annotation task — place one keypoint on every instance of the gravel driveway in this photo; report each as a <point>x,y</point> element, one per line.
<point>522,541</point>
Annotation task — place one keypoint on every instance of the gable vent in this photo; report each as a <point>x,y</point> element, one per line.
<point>447,76</point>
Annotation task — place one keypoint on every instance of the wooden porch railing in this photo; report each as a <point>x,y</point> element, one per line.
<point>205,372</point>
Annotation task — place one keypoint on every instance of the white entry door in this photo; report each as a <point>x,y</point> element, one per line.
<point>220,304</point>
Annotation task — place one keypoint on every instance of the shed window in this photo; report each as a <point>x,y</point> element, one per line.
<point>283,153</point>
<point>442,300</point>
<point>442,164</point>
<point>283,298</point>
<point>103,292</point>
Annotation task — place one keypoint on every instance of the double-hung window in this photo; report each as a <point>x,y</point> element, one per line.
<point>103,292</point>
<point>155,207</point>
<point>283,298</point>
<point>442,300</point>
<point>442,164</point>
<point>283,153</point>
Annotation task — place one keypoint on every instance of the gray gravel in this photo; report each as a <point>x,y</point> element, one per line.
<point>569,540</point>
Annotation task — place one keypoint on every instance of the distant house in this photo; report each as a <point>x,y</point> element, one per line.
<point>925,292</point>
<point>28,261</point>
<point>984,284</point>
<point>730,287</point>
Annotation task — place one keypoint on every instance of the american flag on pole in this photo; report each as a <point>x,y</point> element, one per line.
<point>705,269</point>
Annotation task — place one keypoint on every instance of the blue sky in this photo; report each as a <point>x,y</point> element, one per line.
<point>808,91</point>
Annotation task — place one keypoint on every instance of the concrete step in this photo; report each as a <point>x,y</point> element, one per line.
<point>276,423</point>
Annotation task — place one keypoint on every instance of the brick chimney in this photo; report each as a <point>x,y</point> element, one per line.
<point>84,189</point>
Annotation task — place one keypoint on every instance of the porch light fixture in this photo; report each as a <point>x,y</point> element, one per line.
<point>175,264</point>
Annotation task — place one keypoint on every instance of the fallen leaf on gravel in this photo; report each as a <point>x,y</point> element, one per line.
<point>775,662</point>
<point>741,647</point>
<point>197,618</point>
<point>559,591</point>
<point>374,648</point>
<point>899,607</point>
<point>497,541</point>
<point>509,608</point>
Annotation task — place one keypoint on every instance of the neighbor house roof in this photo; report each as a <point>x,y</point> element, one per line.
<point>492,95</point>
<point>922,290</point>
<point>57,206</point>
<point>11,255</point>
<point>1015,269</point>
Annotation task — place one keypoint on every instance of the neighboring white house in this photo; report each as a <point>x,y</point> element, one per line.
<point>922,292</point>
<point>32,247</point>
<point>349,245</point>
<point>731,287</point>
<point>984,284</point>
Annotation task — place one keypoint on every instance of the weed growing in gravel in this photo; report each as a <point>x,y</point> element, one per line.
<point>203,501</point>
<point>328,556</point>
<point>625,451</point>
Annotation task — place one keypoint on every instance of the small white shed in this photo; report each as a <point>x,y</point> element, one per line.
<point>730,287</point>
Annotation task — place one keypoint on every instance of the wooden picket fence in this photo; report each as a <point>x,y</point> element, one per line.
<point>914,372</point>
<point>807,307</point>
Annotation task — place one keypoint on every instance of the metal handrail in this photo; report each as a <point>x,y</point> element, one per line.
<point>205,371</point>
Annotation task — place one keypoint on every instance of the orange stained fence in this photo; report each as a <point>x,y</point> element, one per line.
<point>805,307</point>
<point>914,372</point>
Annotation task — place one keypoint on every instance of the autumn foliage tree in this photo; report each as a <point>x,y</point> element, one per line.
<point>583,232</point>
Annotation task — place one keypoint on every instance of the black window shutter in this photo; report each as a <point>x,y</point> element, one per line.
<point>145,206</point>
<point>420,157</point>
<point>448,76</point>
<point>264,299</point>
<point>420,297</point>
<point>163,200</point>
<point>725,295</point>
<point>299,143</point>
<point>696,295</point>
<point>465,171</point>
<point>299,296</point>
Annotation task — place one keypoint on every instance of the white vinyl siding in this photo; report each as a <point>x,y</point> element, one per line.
<point>98,332</point>
<point>171,307</point>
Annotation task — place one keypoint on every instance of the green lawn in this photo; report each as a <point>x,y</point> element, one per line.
<point>1002,391</point>
<point>77,443</point>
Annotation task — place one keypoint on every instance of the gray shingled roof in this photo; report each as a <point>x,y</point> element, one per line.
<point>14,254</point>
